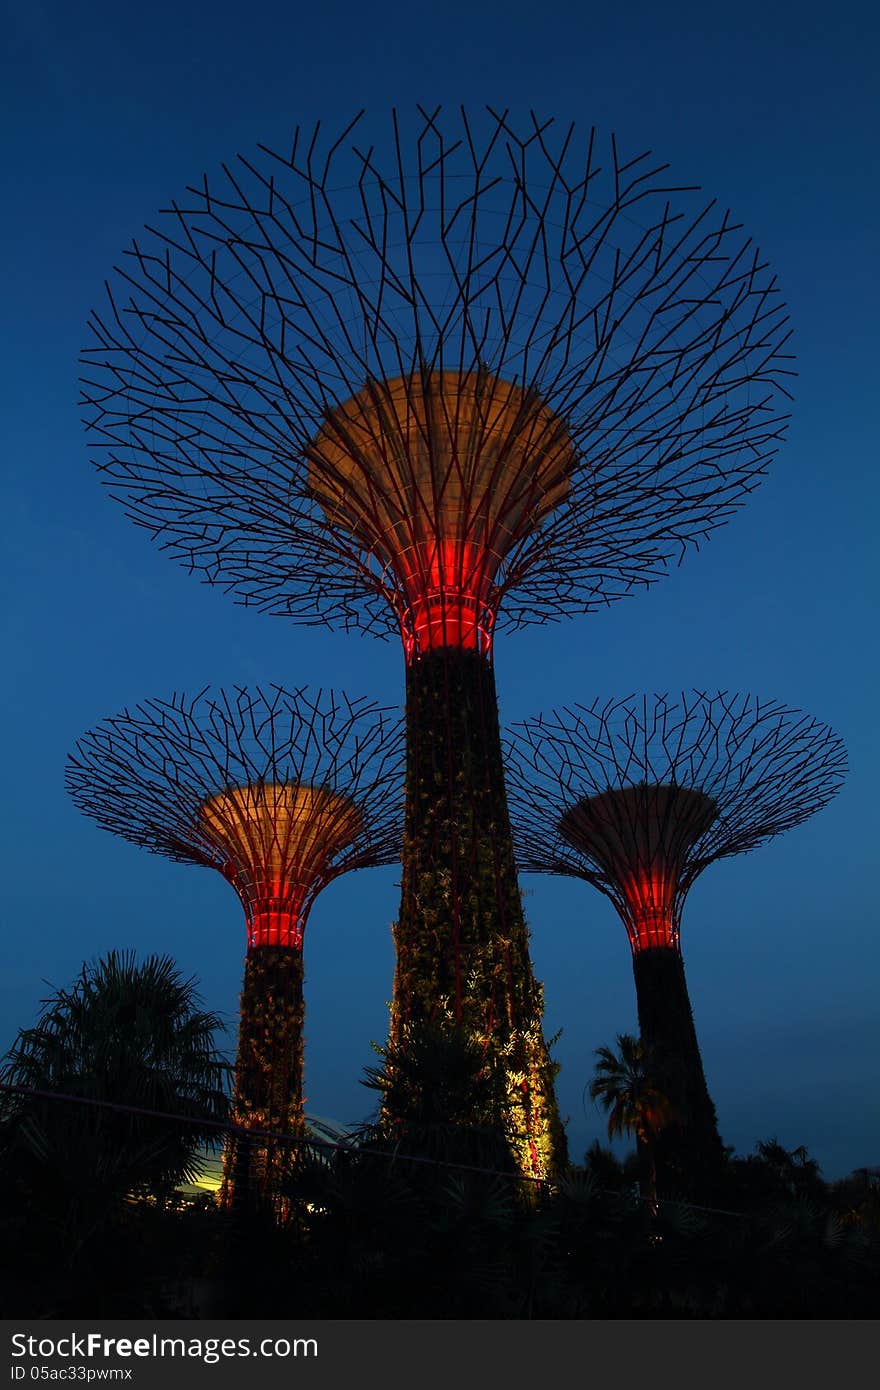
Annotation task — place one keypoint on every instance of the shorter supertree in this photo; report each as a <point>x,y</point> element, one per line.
<point>637,798</point>
<point>281,793</point>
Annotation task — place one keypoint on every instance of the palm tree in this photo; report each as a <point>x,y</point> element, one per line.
<point>127,1035</point>
<point>625,1085</point>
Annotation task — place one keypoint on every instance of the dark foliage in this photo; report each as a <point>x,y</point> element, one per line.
<point>82,1176</point>
<point>419,1219</point>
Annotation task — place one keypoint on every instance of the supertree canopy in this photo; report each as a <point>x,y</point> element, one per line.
<point>496,374</point>
<point>637,798</point>
<point>281,793</point>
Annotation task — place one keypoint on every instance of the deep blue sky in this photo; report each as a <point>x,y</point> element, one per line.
<point>111,109</point>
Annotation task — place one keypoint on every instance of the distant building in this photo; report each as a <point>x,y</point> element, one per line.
<point>319,1128</point>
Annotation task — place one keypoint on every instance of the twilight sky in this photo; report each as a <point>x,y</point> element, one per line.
<point>111,110</point>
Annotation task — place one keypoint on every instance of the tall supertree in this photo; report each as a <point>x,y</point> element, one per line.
<point>492,375</point>
<point>637,798</point>
<point>281,792</point>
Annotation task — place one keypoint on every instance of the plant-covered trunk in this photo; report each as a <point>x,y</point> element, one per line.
<point>687,1152</point>
<point>461,938</point>
<point>268,1074</point>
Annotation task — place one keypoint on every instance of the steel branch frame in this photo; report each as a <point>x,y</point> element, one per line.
<point>765,766</point>
<point>636,308</point>
<point>148,773</point>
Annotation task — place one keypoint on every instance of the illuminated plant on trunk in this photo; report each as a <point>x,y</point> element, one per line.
<point>637,798</point>
<point>281,793</point>
<point>493,375</point>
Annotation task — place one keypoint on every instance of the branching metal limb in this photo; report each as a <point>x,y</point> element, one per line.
<point>280,791</point>
<point>629,792</point>
<point>633,311</point>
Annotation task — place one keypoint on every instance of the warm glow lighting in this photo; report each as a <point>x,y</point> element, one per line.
<point>438,477</point>
<point>277,841</point>
<point>447,585</point>
<point>651,902</point>
<point>640,837</point>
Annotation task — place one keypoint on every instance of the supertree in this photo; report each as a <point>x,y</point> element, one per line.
<point>281,792</point>
<point>492,379</point>
<point>637,797</point>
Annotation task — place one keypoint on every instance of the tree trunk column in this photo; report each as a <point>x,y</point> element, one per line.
<point>268,1073</point>
<point>461,938</point>
<point>688,1151</point>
